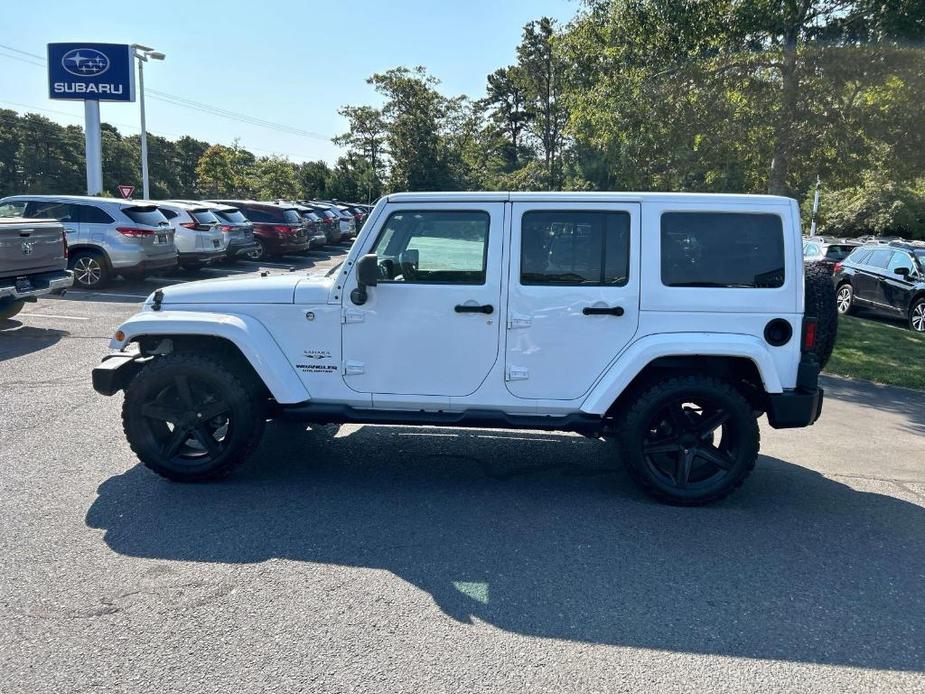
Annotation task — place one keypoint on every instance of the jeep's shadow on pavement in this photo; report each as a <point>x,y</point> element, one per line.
<point>543,535</point>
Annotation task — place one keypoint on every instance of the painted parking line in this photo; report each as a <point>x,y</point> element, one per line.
<point>164,280</point>
<point>225,271</point>
<point>54,316</point>
<point>82,292</point>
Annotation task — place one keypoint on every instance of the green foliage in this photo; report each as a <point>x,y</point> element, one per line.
<point>878,205</point>
<point>878,352</point>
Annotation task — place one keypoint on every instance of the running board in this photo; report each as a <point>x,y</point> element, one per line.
<point>587,424</point>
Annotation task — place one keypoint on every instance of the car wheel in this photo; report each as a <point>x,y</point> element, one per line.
<point>90,269</point>
<point>192,418</point>
<point>10,307</point>
<point>917,316</point>
<point>844,299</point>
<point>258,253</point>
<point>689,440</point>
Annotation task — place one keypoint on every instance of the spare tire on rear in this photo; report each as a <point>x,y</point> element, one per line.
<point>819,292</point>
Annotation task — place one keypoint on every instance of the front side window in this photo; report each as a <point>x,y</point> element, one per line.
<point>14,208</point>
<point>900,260</point>
<point>434,247</point>
<point>575,248</point>
<point>722,249</point>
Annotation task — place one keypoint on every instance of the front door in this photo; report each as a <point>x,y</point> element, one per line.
<point>430,327</point>
<point>574,295</point>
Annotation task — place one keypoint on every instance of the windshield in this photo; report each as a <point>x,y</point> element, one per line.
<point>204,217</point>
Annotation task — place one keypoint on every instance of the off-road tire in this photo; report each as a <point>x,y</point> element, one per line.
<point>819,293</point>
<point>9,308</point>
<point>91,271</point>
<point>246,408</point>
<point>633,431</point>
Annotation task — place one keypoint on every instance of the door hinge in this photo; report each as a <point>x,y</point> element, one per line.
<point>517,373</point>
<point>352,316</point>
<point>354,368</point>
<point>517,321</point>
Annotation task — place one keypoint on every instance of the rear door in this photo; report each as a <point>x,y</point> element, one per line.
<point>95,224</point>
<point>573,302</point>
<point>160,241</point>
<point>866,282</point>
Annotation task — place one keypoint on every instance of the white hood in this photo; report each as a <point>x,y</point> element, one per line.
<point>272,289</point>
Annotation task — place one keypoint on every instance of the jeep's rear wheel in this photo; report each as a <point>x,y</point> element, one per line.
<point>190,418</point>
<point>820,303</point>
<point>689,440</point>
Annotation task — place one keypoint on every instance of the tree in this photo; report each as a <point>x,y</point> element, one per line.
<point>366,135</point>
<point>313,179</point>
<point>188,151</point>
<point>506,99</point>
<point>275,177</point>
<point>878,205</point>
<point>540,73</point>
<point>413,113</point>
<point>225,171</point>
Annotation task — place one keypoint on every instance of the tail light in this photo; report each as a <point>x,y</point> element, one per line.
<point>809,334</point>
<point>283,229</point>
<point>64,241</point>
<point>227,228</point>
<point>135,232</point>
<point>195,226</point>
<point>837,267</point>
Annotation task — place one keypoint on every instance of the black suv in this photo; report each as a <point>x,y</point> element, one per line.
<point>889,278</point>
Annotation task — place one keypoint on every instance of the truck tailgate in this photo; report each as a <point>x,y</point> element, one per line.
<point>29,246</point>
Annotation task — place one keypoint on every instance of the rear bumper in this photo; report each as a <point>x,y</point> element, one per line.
<point>236,248</point>
<point>168,262</point>
<point>201,256</point>
<point>801,406</point>
<point>43,283</point>
<point>317,240</point>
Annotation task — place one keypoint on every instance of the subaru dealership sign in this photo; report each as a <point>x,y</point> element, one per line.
<point>91,71</point>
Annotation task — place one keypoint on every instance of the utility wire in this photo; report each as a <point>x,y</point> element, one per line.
<point>188,103</point>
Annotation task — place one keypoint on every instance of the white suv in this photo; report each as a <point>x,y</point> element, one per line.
<point>667,322</point>
<point>197,233</point>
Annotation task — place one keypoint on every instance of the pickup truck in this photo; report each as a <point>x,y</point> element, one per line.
<point>33,262</point>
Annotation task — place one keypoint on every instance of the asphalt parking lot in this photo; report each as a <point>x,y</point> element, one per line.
<point>366,558</point>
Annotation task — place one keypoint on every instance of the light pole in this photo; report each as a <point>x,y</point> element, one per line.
<point>142,53</point>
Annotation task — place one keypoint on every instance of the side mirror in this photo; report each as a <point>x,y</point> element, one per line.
<point>903,271</point>
<point>367,276</point>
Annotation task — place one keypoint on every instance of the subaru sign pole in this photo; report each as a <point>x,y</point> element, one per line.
<point>91,72</point>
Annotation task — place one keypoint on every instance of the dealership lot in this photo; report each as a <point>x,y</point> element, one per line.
<point>365,558</point>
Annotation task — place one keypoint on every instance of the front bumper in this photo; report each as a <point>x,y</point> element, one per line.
<point>801,406</point>
<point>38,285</point>
<point>115,372</point>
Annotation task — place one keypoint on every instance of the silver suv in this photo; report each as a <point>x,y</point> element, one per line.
<point>197,235</point>
<point>105,237</point>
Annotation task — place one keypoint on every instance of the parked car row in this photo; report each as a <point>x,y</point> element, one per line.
<point>132,238</point>
<point>888,278</point>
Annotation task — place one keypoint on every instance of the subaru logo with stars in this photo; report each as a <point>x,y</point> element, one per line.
<point>85,62</point>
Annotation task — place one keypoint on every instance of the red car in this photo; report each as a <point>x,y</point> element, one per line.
<point>278,229</point>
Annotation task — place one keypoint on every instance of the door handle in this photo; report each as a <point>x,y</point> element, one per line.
<point>602,310</point>
<point>485,308</point>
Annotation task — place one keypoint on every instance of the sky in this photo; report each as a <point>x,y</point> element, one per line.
<point>288,62</point>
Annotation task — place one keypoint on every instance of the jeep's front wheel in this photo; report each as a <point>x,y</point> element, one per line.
<point>689,440</point>
<point>191,418</point>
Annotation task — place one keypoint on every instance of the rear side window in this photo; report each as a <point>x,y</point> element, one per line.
<point>811,250</point>
<point>879,258</point>
<point>149,216</point>
<point>722,249</point>
<point>258,215</point>
<point>90,214</point>
<point>859,255</point>
<point>574,248</point>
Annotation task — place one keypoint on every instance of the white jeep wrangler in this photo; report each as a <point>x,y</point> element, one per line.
<point>668,322</point>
